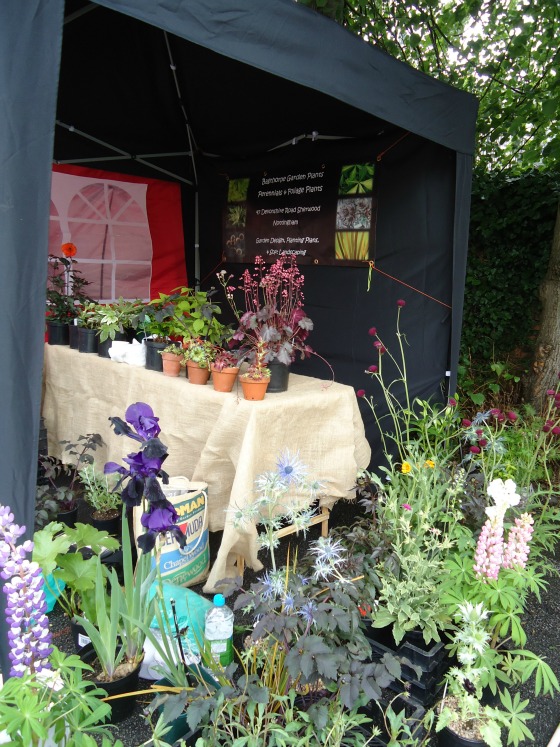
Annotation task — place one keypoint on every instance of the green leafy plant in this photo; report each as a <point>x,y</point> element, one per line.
<point>60,491</point>
<point>99,491</point>
<point>58,551</point>
<point>200,352</point>
<point>117,317</point>
<point>461,704</point>
<point>65,290</point>
<point>64,706</point>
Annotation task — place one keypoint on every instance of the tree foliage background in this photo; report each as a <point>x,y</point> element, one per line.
<point>505,52</point>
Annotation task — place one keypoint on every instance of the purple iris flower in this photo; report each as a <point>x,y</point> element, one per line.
<point>142,418</point>
<point>161,517</point>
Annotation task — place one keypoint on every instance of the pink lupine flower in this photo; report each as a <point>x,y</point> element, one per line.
<point>489,550</point>
<point>516,551</point>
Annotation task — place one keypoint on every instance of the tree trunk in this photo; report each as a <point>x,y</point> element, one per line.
<point>546,358</point>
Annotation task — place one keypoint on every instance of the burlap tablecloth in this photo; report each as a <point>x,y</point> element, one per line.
<point>212,437</point>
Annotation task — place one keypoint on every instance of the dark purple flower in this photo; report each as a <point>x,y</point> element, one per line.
<point>161,517</point>
<point>546,428</point>
<point>361,393</point>
<point>401,303</point>
<point>482,443</point>
<point>141,417</point>
<point>475,450</point>
<point>512,416</point>
<point>466,423</point>
<point>556,430</point>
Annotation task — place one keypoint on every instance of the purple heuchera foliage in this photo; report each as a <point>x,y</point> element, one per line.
<point>28,625</point>
<point>142,470</point>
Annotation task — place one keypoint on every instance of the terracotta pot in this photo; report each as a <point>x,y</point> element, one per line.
<point>254,389</point>
<point>224,379</point>
<point>197,375</point>
<point>171,364</point>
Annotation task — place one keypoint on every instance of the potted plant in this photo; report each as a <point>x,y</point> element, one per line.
<point>116,322</point>
<point>89,320</point>
<point>46,699</point>
<point>117,635</point>
<point>104,502</point>
<point>256,378</point>
<point>463,720</point>
<point>173,359</point>
<point>157,322</point>
<point>199,354</point>
<point>225,368</point>
<point>67,556</point>
<point>65,295</point>
<point>57,498</point>
<point>273,313</point>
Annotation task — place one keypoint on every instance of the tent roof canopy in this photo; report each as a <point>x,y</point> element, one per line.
<point>145,90</point>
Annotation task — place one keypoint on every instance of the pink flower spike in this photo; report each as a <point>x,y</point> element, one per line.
<point>361,393</point>
<point>372,331</point>
<point>401,303</point>
<point>406,506</point>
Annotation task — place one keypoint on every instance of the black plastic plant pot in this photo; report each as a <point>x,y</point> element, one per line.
<point>448,738</point>
<point>74,336</point>
<point>153,357</point>
<point>68,517</point>
<point>58,333</point>
<point>120,707</point>
<point>88,340</point>
<point>279,376</point>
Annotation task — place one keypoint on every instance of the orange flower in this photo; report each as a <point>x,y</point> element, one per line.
<point>69,250</point>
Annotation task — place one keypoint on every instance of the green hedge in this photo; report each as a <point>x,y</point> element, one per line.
<point>512,222</point>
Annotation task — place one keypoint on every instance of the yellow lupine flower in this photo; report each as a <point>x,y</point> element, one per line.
<point>405,468</point>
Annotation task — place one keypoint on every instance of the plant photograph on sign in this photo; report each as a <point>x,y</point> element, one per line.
<point>352,245</point>
<point>356,178</point>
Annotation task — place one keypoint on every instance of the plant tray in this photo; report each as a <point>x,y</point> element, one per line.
<point>428,659</point>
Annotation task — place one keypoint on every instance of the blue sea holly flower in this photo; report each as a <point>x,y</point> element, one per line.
<point>290,468</point>
<point>142,418</point>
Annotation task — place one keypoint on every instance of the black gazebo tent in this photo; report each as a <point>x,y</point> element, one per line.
<point>195,89</point>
